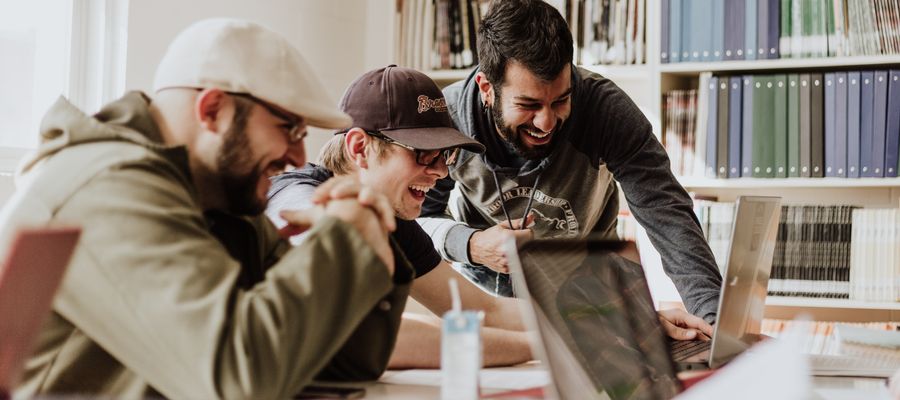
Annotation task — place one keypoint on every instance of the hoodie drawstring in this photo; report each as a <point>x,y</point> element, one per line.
<point>508,219</point>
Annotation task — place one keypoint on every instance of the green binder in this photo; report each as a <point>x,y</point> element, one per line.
<point>780,128</point>
<point>763,126</point>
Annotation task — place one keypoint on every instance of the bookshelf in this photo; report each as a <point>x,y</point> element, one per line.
<point>648,82</point>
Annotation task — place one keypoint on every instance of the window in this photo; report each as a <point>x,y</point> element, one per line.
<point>52,48</point>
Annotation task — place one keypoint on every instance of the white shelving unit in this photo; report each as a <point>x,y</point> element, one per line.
<point>646,84</point>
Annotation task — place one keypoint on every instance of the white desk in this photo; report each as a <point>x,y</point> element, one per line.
<point>829,388</point>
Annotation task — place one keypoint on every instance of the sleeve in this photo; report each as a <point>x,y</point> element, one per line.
<point>152,287</point>
<point>293,197</point>
<point>449,237</point>
<point>622,137</point>
<point>417,247</point>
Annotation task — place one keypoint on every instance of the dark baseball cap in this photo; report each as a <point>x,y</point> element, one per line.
<point>405,105</point>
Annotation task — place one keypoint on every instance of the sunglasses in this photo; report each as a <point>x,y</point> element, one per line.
<point>296,129</point>
<point>425,158</point>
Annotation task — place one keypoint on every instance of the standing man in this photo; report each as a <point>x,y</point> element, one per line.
<point>558,139</point>
<point>180,287</point>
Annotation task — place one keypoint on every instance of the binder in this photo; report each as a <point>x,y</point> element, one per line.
<point>816,128</point>
<point>892,126</point>
<point>712,126</point>
<point>734,127</point>
<point>840,124</point>
<point>675,30</point>
<point>764,122</point>
<point>879,118</point>
<point>748,115</point>
<point>734,35</point>
<point>718,31</point>
<point>805,118</point>
<point>854,95</point>
<point>779,132</point>
<point>774,30</point>
<point>793,125</point>
<point>762,29</point>
<point>664,32</point>
<point>722,129</point>
<point>750,28</point>
<point>866,122</point>
<point>829,115</point>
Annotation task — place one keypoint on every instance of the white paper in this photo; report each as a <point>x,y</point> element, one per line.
<point>491,378</point>
<point>774,369</point>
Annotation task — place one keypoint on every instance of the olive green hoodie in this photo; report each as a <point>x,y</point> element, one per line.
<point>161,299</point>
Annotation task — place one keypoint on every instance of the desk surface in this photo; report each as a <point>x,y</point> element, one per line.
<point>831,388</point>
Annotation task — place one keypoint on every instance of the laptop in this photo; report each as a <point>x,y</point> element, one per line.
<point>30,274</point>
<point>742,299</point>
<point>590,305</point>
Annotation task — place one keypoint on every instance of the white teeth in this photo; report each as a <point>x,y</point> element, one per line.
<point>539,135</point>
<point>423,189</point>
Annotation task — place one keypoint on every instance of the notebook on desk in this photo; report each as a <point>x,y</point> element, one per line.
<point>31,272</point>
<point>589,302</point>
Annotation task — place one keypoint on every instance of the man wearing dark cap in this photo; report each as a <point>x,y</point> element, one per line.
<point>180,287</point>
<point>402,143</point>
<point>560,142</point>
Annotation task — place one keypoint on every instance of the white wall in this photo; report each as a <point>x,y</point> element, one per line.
<point>331,34</point>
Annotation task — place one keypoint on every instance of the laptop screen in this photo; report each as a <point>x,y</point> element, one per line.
<point>598,327</point>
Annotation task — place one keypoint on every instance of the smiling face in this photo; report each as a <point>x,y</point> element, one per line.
<point>529,111</point>
<point>399,177</point>
<point>255,148</point>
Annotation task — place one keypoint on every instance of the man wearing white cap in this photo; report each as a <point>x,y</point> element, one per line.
<point>180,287</point>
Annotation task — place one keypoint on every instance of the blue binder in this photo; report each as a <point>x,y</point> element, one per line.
<point>854,118</point>
<point>866,122</point>
<point>879,119</point>
<point>892,138</point>
<point>840,124</point>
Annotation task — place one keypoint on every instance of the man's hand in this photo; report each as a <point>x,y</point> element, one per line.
<point>346,187</point>
<point>359,206</point>
<point>486,247</point>
<point>680,325</point>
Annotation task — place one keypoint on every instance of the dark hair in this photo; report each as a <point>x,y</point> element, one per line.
<point>530,32</point>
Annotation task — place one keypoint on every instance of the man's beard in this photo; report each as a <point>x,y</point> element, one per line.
<point>239,188</point>
<point>512,136</point>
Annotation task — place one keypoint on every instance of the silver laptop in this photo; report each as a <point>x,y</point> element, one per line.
<point>742,299</point>
<point>599,334</point>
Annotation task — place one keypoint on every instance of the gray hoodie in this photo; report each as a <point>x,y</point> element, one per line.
<point>605,140</point>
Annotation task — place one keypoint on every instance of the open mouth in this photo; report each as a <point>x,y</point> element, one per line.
<point>418,191</point>
<point>536,137</point>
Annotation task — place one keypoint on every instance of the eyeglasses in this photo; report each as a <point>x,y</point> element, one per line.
<point>425,158</point>
<point>296,128</point>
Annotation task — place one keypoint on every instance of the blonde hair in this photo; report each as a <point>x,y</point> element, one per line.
<point>334,158</point>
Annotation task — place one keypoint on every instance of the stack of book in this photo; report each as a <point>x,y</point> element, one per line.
<point>842,124</point>
<point>716,220</point>
<point>812,252</point>
<point>875,255</point>
<point>606,31</point>
<point>821,338</point>
<point>678,137</point>
<point>722,30</point>
<point>438,34</point>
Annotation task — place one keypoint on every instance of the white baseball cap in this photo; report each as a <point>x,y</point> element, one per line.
<point>244,57</point>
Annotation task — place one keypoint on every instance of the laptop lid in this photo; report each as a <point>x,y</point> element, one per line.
<point>742,299</point>
<point>590,305</point>
<point>29,276</point>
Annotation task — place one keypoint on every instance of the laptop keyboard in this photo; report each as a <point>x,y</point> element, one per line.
<point>682,349</point>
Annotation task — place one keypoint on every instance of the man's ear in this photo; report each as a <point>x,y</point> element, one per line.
<point>355,143</point>
<point>210,110</point>
<point>486,89</point>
